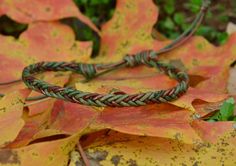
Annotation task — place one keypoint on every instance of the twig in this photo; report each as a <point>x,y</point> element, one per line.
<point>83,155</point>
<point>36,102</point>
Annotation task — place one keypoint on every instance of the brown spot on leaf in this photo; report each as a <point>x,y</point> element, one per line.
<point>47,9</point>
<point>9,157</point>
<point>196,163</point>
<point>3,109</point>
<point>99,155</point>
<point>131,163</point>
<point>116,159</point>
<point>196,79</point>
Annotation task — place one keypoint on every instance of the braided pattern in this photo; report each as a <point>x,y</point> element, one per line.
<point>102,100</point>
<point>87,70</point>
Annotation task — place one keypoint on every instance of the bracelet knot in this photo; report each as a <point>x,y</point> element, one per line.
<point>143,57</point>
<point>87,70</point>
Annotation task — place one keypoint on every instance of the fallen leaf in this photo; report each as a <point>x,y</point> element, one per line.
<point>194,94</point>
<point>79,117</point>
<point>211,132</point>
<point>11,122</point>
<point>44,153</point>
<point>199,54</point>
<point>125,33</point>
<point>123,149</point>
<point>174,134</point>
<point>156,120</point>
<point>33,125</point>
<point>41,42</point>
<point>27,11</point>
<point>162,120</point>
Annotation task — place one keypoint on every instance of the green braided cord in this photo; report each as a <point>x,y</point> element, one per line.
<point>102,100</point>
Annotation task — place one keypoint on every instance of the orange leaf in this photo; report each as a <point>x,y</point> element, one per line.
<point>201,58</point>
<point>129,30</point>
<point>211,132</point>
<point>41,42</point>
<point>155,120</point>
<point>161,120</point>
<point>26,11</point>
<point>193,93</point>
<point>33,126</point>
<point>71,118</point>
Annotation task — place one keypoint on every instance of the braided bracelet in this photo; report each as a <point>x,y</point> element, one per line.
<point>101,100</point>
<point>90,71</point>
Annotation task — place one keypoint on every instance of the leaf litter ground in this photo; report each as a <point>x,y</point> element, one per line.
<point>156,134</point>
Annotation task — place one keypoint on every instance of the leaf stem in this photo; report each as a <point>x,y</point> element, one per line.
<point>83,155</point>
<point>10,82</point>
